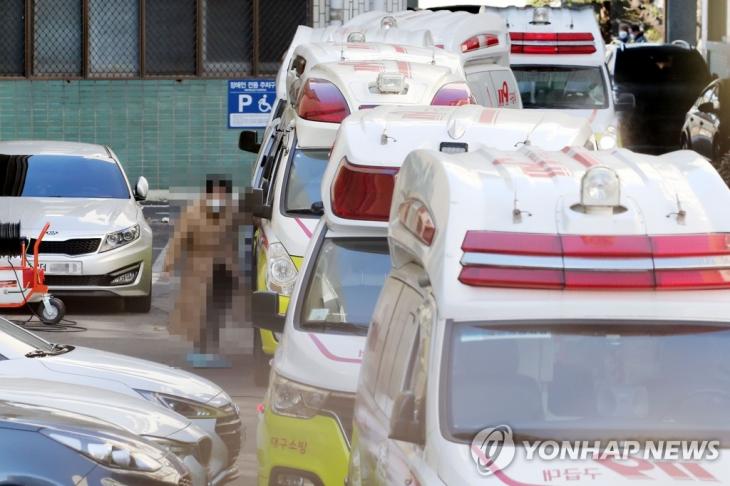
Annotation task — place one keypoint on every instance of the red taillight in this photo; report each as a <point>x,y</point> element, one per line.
<point>497,259</point>
<point>363,192</point>
<point>453,94</point>
<point>691,245</point>
<point>322,101</point>
<point>479,41</point>
<point>552,43</point>
<point>512,243</point>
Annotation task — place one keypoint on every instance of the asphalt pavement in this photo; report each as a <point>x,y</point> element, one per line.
<point>105,326</point>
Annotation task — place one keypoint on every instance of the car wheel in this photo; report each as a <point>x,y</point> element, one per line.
<point>138,305</point>
<point>260,361</point>
<point>55,314</point>
<point>723,167</point>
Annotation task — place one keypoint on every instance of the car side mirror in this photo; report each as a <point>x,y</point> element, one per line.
<point>265,311</point>
<point>255,203</point>
<point>707,107</point>
<point>141,189</point>
<point>248,141</point>
<point>405,422</point>
<point>625,102</point>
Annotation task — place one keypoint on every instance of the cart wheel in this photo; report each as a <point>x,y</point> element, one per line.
<point>55,314</point>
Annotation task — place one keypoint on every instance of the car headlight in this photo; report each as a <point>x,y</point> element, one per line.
<point>115,452</point>
<point>282,272</point>
<point>120,238</point>
<point>200,451</point>
<point>608,139</point>
<point>294,399</point>
<point>187,408</point>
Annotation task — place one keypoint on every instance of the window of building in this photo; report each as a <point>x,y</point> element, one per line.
<point>12,38</point>
<point>113,38</point>
<point>57,38</point>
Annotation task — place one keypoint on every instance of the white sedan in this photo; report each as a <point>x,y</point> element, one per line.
<point>26,355</point>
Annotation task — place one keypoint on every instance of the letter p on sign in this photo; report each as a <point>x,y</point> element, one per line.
<point>244,100</point>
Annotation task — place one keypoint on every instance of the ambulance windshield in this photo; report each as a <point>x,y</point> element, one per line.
<point>302,188</point>
<point>561,87</point>
<point>595,380</point>
<point>345,284</point>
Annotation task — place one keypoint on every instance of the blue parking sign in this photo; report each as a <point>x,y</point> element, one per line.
<point>250,102</point>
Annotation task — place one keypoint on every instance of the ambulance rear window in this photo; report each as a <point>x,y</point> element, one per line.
<point>592,380</point>
<point>302,187</point>
<point>344,285</point>
<point>561,87</point>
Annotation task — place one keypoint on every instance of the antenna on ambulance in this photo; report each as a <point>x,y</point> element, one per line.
<point>517,212</point>
<point>680,213</point>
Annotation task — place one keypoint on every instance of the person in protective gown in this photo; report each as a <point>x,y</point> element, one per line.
<point>205,248</point>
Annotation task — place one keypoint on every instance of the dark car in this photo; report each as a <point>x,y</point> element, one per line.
<point>46,447</point>
<point>665,80</point>
<point>706,127</point>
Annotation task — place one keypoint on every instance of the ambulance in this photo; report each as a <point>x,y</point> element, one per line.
<point>549,310</point>
<point>286,201</point>
<point>559,59</point>
<point>480,40</point>
<point>303,435</point>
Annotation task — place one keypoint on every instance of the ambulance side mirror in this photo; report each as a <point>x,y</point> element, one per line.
<point>625,102</point>
<point>248,141</point>
<point>405,422</point>
<point>255,203</point>
<point>265,311</point>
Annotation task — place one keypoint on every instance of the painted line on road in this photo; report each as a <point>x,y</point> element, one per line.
<point>159,263</point>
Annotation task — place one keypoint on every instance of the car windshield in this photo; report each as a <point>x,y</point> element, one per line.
<point>561,87</point>
<point>660,65</point>
<point>345,284</point>
<point>16,342</point>
<point>304,181</point>
<point>595,380</point>
<point>61,176</point>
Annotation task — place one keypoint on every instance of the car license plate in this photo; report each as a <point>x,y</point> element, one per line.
<point>61,268</point>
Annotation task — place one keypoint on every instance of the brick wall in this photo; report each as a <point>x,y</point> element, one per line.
<point>171,132</point>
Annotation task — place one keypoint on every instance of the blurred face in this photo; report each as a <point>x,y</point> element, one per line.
<point>217,199</point>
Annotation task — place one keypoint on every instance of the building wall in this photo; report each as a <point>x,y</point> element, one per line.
<point>171,132</point>
<point>322,12</point>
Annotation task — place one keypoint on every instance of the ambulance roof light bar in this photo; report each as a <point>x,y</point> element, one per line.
<point>391,83</point>
<point>388,22</point>
<point>541,16</point>
<point>600,191</point>
<point>356,37</point>
<point>595,262</point>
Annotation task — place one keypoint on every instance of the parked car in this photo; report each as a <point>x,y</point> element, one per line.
<point>43,446</point>
<point>167,429</point>
<point>26,355</point>
<point>706,127</point>
<point>665,80</point>
<point>98,243</point>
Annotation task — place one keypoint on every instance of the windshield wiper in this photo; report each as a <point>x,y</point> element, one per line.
<point>317,208</point>
<point>335,326</point>
<point>38,353</point>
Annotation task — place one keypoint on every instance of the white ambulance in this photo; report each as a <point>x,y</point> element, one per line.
<point>480,40</point>
<point>310,399</point>
<point>558,57</point>
<point>287,201</point>
<point>549,310</point>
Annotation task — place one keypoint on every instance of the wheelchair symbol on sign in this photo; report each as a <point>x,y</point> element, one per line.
<point>264,106</point>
